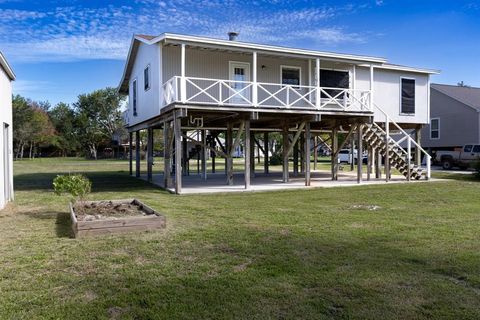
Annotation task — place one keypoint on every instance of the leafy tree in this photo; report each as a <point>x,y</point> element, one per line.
<point>64,120</point>
<point>98,118</point>
<point>42,130</point>
<point>22,115</point>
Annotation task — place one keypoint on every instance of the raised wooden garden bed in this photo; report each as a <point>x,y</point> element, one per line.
<point>113,216</point>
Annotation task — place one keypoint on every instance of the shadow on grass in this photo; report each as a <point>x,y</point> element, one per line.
<point>63,225</point>
<point>101,181</point>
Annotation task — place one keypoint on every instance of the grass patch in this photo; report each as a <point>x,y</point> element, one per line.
<point>320,253</point>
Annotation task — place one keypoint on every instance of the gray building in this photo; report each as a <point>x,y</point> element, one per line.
<point>454,117</point>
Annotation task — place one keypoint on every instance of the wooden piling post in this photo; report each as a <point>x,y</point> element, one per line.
<point>307,154</point>
<point>167,155</point>
<point>265,149</point>
<point>285,153</point>
<point>359,153</point>
<point>204,154</point>
<point>137,154</point>
<point>248,154</point>
<point>150,154</point>
<point>229,148</point>
<point>334,156</point>
<point>177,127</point>
<point>295,159</point>
<point>130,155</point>
<point>252,150</point>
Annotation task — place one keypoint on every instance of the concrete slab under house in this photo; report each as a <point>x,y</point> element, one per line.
<point>214,100</point>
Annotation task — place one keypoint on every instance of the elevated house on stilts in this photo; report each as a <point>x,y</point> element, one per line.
<point>231,93</point>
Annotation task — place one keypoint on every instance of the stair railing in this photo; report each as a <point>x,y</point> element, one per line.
<point>410,141</point>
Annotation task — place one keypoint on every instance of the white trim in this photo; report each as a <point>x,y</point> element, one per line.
<point>282,66</point>
<point>6,67</point>
<point>149,72</point>
<point>400,97</point>
<point>438,119</point>
<point>260,47</point>
<point>387,66</point>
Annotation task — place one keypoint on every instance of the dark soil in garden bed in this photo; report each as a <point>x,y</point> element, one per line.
<point>107,210</point>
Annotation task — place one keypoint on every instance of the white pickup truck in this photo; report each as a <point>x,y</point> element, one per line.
<point>467,157</point>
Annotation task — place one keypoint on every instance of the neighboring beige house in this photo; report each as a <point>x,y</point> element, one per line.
<point>6,141</point>
<point>179,83</point>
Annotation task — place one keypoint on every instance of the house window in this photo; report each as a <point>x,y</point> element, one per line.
<point>334,79</point>
<point>146,78</point>
<point>408,96</point>
<point>435,128</point>
<point>290,75</point>
<point>134,97</point>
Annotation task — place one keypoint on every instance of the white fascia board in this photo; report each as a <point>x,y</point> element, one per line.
<point>6,67</point>
<point>402,68</point>
<point>264,48</point>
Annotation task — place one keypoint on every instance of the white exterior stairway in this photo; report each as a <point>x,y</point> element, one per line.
<point>399,158</point>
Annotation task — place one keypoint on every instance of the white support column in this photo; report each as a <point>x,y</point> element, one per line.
<point>310,77</point>
<point>371,87</point>
<point>183,81</point>
<point>160,78</point>
<point>254,78</point>
<point>317,83</point>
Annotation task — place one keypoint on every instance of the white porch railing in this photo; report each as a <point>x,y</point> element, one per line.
<point>219,92</point>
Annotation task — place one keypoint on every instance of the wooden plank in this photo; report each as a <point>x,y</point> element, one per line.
<point>153,220</point>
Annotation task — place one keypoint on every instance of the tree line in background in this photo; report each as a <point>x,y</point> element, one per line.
<point>94,122</point>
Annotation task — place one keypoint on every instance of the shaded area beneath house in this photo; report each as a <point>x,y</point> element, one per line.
<point>216,182</point>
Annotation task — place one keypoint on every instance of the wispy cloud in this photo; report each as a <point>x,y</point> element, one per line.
<point>77,32</point>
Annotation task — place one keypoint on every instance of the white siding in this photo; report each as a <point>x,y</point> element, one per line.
<point>215,65</point>
<point>5,117</point>
<point>148,104</point>
<point>387,94</point>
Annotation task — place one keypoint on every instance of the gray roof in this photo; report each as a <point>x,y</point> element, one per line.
<point>469,96</point>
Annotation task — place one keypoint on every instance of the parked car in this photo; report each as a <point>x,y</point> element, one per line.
<point>466,157</point>
<point>344,156</point>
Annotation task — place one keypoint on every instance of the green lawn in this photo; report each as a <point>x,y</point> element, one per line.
<point>317,253</point>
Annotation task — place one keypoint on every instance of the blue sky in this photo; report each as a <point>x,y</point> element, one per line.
<point>60,49</point>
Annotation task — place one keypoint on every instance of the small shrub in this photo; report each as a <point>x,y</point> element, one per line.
<point>276,159</point>
<point>77,186</point>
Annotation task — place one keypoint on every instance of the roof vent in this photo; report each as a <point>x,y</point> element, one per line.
<point>232,36</point>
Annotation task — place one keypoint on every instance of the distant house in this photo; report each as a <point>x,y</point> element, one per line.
<point>454,117</point>
<point>6,144</point>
